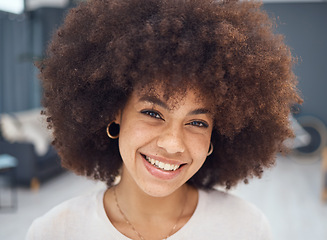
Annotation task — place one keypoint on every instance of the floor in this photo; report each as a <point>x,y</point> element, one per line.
<point>289,195</point>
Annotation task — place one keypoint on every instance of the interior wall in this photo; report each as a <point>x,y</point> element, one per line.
<point>22,42</point>
<point>305,28</point>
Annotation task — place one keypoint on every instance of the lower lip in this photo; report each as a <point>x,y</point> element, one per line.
<point>166,175</point>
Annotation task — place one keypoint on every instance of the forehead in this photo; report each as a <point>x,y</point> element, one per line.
<point>171,100</point>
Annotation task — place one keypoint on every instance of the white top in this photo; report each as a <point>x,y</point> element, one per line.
<point>218,215</point>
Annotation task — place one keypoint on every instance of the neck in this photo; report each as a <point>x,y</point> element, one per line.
<point>135,213</point>
<point>138,203</point>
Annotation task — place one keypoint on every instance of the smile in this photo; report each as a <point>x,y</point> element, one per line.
<point>161,165</point>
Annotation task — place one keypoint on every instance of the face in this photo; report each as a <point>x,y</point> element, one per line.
<point>163,147</point>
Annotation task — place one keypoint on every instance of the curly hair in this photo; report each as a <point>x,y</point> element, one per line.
<point>226,50</point>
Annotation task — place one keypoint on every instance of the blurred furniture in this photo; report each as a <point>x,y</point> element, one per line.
<point>8,166</point>
<point>310,136</point>
<point>26,137</point>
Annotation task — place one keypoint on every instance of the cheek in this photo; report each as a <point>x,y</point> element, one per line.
<point>198,148</point>
<point>134,136</point>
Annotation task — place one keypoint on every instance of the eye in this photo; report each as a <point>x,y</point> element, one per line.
<point>152,113</point>
<point>199,124</point>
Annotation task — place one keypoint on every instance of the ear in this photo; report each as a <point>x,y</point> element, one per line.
<point>118,117</point>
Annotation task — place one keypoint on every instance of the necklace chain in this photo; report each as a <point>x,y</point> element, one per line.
<point>132,226</point>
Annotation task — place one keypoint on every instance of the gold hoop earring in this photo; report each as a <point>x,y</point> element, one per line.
<point>108,131</point>
<point>210,149</point>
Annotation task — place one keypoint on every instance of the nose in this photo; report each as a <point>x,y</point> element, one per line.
<point>171,139</point>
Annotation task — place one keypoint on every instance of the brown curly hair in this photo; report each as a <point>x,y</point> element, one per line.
<point>226,50</point>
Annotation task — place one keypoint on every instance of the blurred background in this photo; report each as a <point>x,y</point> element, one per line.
<point>293,195</point>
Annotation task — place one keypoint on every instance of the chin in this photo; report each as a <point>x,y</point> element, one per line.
<point>159,190</point>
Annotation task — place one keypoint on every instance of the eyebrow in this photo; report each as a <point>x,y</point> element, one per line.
<point>157,101</point>
<point>199,111</point>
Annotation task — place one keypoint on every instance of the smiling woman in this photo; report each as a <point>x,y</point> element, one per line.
<point>164,100</point>
<point>163,147</point>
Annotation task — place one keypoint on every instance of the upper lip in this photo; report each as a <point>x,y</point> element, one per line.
<point>165,160</point>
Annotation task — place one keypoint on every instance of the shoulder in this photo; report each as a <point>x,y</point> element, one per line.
<point>227,202</point>
<point>69,214</point>
<point>235,215</point>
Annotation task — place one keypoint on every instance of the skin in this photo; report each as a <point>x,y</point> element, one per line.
<point>153,199</point>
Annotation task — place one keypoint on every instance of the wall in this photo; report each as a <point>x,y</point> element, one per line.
<point>22,41</point>
<point>305,29</point>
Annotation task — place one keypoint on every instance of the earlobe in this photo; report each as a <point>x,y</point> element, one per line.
<point>113,127</point>
<point>113,130</point>
<point>117,119</point>
<point>210,149</point>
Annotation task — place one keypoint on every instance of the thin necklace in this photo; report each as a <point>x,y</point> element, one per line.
<point>132,226</point>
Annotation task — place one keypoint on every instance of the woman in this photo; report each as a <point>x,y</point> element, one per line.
<point>165,100</point>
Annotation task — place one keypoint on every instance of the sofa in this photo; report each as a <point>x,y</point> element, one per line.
<point>25,136</point>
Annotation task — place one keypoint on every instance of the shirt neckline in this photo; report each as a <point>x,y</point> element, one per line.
<point>181,232</point>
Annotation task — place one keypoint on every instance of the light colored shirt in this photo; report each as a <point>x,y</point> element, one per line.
<point>218,215</point>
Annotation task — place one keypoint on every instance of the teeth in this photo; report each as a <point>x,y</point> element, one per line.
<point>167,167</point>
<point>161,165</point>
